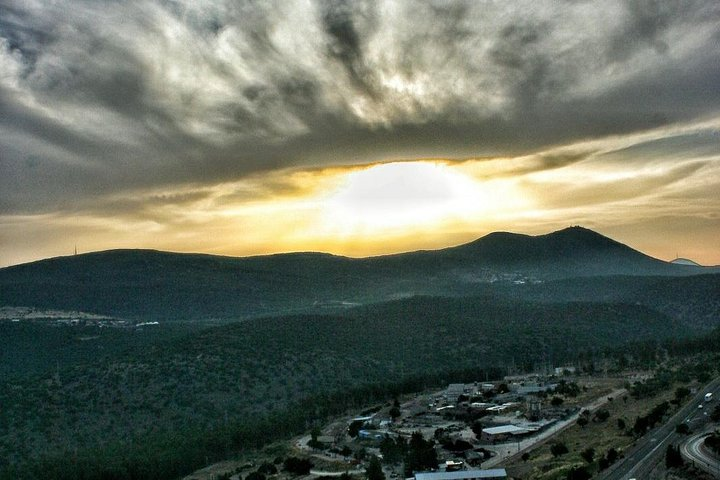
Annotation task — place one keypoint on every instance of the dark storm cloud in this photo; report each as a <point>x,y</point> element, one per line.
<point>645,25</point>
<point>518,51</point>
<point>104,97</point>
<point>345,45</point>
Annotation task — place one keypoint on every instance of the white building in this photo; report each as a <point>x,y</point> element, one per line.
<point>463,475</point>
<point>559,371</point>
<point>495,434</point>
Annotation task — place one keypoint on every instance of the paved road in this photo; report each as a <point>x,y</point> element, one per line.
<point>507,451</point>
<point>695,453</point>
<point>649,451</point>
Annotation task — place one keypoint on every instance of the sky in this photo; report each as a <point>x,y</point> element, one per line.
<point>356,127</point>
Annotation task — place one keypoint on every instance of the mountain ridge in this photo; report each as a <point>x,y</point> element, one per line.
<point>166,285</point>
<point>576,235</point>
<point>576,232</point>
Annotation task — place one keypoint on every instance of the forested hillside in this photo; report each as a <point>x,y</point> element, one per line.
<point>145,364</point>
<point>227,375</point>
<point>693,300</point>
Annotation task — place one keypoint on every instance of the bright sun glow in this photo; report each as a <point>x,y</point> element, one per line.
<point>398,195</point>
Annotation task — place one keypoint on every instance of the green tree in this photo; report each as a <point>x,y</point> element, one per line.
<point>578,473</point>
<point>588,454</point>
<point>612,455</point>
<point>255,476</point>
<point>314,434</point>
<point>267,469</point>
<point>601,415</point>
<point>673,458</point>
<point>360,454</point>
<point>420,456</point>
<point>569,389</point>
<point>558,448</point>
<point>391,450</point>
<point>682,428</point>
<point>394,413</point>
<point>374,469</point>
<point>641,425</point>
<point>715,415</point>
<point>681,393</point>
<point>297,466</point>
<point>354,427</point>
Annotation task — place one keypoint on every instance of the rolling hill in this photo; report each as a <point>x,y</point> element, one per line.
<point>144,284</point>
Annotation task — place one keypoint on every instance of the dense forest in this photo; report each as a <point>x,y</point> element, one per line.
<point>191,394</point>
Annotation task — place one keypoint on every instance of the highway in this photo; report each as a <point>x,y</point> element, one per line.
<point>649,451</point>
<point>694,452</point>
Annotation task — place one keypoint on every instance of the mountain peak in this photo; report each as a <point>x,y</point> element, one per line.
<point>575,230</point>
<point>572,251</point>
<point>579,233</point>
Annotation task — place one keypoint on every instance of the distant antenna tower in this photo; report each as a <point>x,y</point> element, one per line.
<point>76,249</point>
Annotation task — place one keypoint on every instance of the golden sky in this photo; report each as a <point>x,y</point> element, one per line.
<point>357,128</point>
<point>664,203</point>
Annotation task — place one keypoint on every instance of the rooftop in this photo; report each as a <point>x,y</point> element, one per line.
<point>462,474</point>
<point>504,429</point>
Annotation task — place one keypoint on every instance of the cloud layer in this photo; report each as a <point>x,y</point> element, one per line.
<point>103,101</point>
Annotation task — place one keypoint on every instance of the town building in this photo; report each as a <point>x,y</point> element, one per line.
<point>454,391</point>
<point>463,475</point>
<point>503,432</point>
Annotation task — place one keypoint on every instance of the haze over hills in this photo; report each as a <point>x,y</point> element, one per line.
<point>145,284</point>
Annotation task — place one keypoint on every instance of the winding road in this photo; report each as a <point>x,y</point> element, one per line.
<point>649,451</point>
<point>693,451</point>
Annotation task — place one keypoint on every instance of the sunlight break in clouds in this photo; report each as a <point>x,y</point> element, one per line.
<point>231,127</point>
<point>412,195</point>
<point>647,189</point>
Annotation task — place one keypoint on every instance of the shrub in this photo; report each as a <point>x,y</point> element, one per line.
<point>558,449</point>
